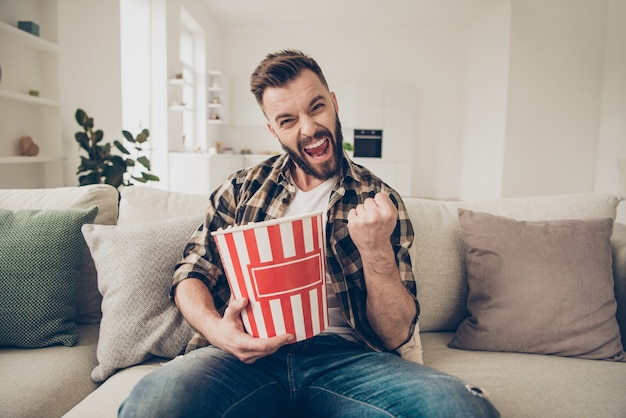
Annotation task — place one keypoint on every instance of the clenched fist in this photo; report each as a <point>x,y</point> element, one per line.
<point>372,223</point>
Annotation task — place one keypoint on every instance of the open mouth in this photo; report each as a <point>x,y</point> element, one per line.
<point>318,148</point>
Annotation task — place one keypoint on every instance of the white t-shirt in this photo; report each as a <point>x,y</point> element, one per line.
<point>316,200</point>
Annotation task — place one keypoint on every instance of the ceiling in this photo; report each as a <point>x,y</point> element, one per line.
<point>426,17</point>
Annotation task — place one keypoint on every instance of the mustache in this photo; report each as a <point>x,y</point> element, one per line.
<point>319,134</point>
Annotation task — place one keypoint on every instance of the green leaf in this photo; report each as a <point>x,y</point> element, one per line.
<point>106,148</point>
<point>118,161</point>
<point>98,135</point>
<point>91,178</point>
<point>114,175</point>
<point>150,177</point>
<point>144,161</point>
<point>83,140</point>
<point>143,136</point>
<point>121,147</point>
<point>128,136</point>
<point>88,163</point>
<point>81,117</point>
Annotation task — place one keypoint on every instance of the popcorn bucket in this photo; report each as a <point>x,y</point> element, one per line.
<point>279,265</point>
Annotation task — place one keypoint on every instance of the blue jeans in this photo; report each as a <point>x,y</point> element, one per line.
<point>325,376</point>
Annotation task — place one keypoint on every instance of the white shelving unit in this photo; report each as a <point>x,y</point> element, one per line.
<point>29,96</point>
<point>177,104</point>
<point>215,97</point>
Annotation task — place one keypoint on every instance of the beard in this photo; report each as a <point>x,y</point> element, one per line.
<point>330,168</point>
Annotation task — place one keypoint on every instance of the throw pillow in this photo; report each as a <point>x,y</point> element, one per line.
<point>438,250</point>
<point>105,197</point>
<point>541,287</point>
<point>135,264</point>
<point>41,252</point>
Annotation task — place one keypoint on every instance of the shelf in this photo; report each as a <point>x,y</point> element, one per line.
<point>30,160</point>
<point>179,108</point>
<point>26,98</point>
<point>214,105</point>
<point>178,81</point>
<point>27,38</point>
<point>214,121</point>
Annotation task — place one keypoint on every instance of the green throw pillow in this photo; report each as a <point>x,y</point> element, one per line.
<point>40,258</point>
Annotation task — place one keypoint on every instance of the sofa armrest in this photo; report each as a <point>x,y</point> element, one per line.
<point>618,243</point>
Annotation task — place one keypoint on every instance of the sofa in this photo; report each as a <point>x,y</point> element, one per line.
<point>523,297</point>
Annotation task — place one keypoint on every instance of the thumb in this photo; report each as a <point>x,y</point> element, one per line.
<point>235,307</point>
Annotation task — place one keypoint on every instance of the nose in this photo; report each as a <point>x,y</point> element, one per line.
<point>307,126</point>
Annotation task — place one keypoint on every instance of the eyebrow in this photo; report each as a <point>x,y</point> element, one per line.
<point>286,114</point>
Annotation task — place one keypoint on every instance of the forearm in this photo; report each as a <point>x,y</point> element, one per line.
<point>195,302</point>
<point>390,307</point>
<point>226,332</point>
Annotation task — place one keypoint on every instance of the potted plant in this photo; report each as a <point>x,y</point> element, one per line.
<point>102,166</point>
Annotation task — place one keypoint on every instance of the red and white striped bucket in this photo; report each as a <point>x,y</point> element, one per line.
<point>279,265</point>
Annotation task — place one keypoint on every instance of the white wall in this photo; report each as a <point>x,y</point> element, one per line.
<point>612,142</point>
<point>90,63</point>
<point>485,104</point>
<point>554,100</point>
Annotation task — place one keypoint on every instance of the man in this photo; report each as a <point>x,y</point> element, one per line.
<point>351,369</point>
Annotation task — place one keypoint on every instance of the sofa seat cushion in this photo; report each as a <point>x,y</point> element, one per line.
<point>58,375</point>
<point>533,385</point>
<point>519,385</point>
<point>106,400</point>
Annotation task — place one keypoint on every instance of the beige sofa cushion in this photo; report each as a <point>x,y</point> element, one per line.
<point>135,266</point>
<point>146,204</point>
<point>533,385</point>
<point>438,249</point>
<point>103,196</point>
<point>541,287</point>
<point>47,382</point>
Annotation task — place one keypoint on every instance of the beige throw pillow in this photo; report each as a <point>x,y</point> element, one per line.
<point>135,265</point>
<point>539,287</point>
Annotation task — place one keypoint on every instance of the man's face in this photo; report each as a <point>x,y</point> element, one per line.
<point>303,117</point>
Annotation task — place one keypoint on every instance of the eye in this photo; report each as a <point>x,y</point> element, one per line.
<point>318,106</point>
<point>285,122</point>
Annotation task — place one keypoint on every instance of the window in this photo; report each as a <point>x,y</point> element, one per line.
<point>192,68</point>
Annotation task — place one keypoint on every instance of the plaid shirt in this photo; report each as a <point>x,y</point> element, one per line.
<point>263,192</point>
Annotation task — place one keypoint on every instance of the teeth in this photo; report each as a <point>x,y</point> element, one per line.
<point>315,144</point>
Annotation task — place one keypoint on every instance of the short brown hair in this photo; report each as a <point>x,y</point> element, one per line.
<point>278,69</point>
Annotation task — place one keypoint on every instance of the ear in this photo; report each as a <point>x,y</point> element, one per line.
<point>271,129</point>
<point>334,99</point>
